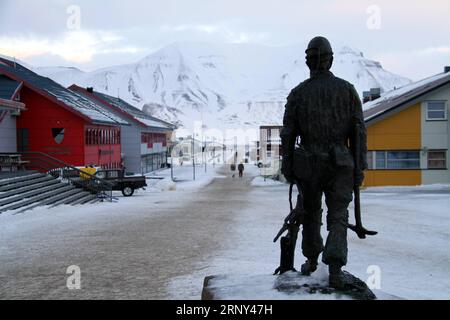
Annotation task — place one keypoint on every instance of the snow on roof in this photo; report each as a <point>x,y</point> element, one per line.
<point>136,113</point>
<point>404,94</point>
<point>69,98</point>
<point>151,123</point>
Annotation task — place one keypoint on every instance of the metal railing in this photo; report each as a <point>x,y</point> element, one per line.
<point>45,163</point>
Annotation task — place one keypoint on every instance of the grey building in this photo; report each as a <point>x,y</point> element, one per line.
<point>145,141</point>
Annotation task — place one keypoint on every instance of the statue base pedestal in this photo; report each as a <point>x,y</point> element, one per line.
<point>288,286</point>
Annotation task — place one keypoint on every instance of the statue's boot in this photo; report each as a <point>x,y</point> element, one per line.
<point>348,283</point>
<point>309,266</point>
<point>336,277</point>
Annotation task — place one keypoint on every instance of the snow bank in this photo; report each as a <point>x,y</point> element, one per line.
<point>428,187</point>
<point>183,177</point>
<point>259,182</point>
<point>166,184</point>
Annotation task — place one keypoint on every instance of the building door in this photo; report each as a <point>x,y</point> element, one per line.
<point>22,139</point>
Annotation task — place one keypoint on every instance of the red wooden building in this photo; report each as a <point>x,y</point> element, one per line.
<point>63,123</point>
<point>144,141</point>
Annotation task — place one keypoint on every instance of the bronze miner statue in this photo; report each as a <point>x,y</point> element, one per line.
<point>324,152</point>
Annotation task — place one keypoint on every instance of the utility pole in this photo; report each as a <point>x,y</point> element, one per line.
<point>247,152</point>
<point>214,152</point>
<point>206,155</point>
<point>235,149</point>
<point>203,149</point>
<point>193,157</point>
<point>171,166</point>
<point>223,150</point>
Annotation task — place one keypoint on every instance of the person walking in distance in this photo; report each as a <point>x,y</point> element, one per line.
<point>241,169</point>
<point>233,169</point>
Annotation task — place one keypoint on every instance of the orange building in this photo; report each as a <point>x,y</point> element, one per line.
<point>408,134</point>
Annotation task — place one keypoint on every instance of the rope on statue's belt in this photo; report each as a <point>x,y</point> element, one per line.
<point>291,186</point>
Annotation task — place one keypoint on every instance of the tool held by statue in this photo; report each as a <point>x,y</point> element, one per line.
<point>292,225</point>
<point>358,227</point>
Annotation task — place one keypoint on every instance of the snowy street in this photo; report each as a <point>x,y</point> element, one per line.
<point>162,242</point>
<point>129,249</point>
<point>410,250</point>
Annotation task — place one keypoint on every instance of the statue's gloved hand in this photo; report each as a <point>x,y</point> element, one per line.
<point>358,177</point>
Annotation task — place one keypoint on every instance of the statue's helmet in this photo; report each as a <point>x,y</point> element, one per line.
<point>319,46</point>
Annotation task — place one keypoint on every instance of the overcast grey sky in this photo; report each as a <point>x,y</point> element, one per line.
<point>409,37</point>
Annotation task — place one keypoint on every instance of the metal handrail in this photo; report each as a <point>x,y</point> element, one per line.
<point>46,163</point>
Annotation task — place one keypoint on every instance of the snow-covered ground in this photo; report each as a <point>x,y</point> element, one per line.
<point>163,241</point>
<point>411,249</point>
<point>127,249</point>
<point>261,182</point>
<point>183,177</point>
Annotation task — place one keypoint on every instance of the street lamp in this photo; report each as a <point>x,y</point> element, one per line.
<point>193,157</point>
<point>204,149</point>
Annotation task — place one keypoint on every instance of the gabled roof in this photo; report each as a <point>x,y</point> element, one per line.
<point>72,101</point>
<point>125,109</point>
<point>403,96</point>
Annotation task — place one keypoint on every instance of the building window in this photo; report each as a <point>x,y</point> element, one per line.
<point>436,110</point>
<point>437,159</point>
<point>380,159</point>
<point>91,136</point>
<point>403,160</point>
<point>369,160</point>
<point>394,159</point>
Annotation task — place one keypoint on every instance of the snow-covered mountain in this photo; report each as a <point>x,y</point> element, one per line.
<point>230,85</point>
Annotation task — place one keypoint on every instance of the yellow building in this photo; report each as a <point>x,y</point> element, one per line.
<point>409,135</point>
